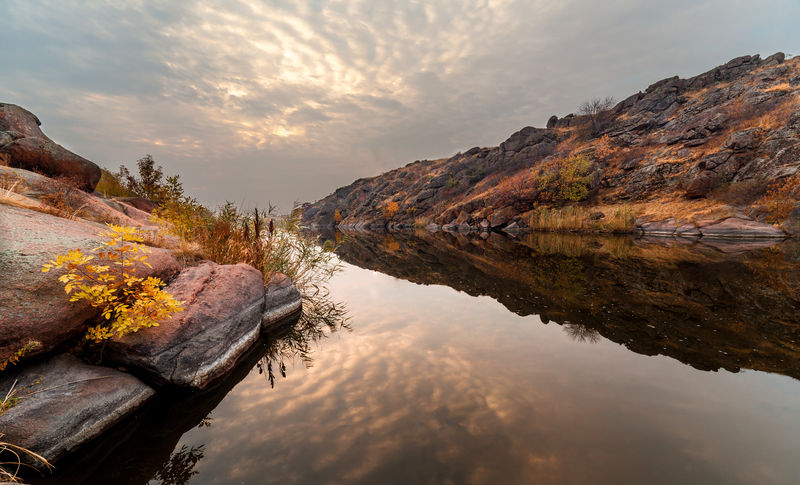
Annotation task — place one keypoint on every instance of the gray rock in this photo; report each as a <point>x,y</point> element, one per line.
<point>743,140</point>
<point>701,184</point>
<point>433,227</point>
<point>64,403</point>
<point>687,230</point>
<point>35,151</point>
<point>223,310</point>
<point>657,228</point>
<point>735,227</point>
<point>281,299</point>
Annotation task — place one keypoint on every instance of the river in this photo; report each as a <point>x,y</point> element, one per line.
<point>453,359</point>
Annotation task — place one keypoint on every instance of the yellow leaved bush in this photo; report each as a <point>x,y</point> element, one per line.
<point>107,280</point>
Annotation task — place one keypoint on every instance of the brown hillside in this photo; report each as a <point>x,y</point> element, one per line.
<point>716,154</point>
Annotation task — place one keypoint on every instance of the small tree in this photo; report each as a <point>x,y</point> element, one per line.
<point>149,183</point>
<point>595,109</point>
<point>337,216</point>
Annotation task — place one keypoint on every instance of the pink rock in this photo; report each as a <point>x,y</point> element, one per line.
<point>223,308</point>
<point>33,305</point>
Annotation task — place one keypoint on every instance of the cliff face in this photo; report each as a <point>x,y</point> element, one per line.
<point>698,150</point>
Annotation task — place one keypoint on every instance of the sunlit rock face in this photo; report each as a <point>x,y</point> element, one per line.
<point>724,306</point>
<point>676,143</point>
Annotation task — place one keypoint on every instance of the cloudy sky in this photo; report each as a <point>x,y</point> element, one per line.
<point>256,101</point>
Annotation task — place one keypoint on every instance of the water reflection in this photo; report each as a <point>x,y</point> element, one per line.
<point>179,468</point>
<point>718,305</point>
<point>321,317</point>
<point>434,386</point>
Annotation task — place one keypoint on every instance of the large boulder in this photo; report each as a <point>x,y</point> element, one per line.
<point>63,403</point>
<point>33,305</point>
<point>281,299</point>
<point>701,184</point>
<point>223,308</point>
<point>501,216</point>
<point>31,149</point>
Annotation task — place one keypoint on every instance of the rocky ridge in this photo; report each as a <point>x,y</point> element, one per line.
<point>684,156</point>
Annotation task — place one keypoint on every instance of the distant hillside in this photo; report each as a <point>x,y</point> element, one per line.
<point>716,154</point>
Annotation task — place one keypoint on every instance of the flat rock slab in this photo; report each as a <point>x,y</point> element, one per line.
<point>281,299</point>
<point>734,227</point>
<point>223,306</point>
<point>64,403</point>
<point>33,305</point>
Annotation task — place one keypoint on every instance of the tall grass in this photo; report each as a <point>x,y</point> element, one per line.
<point>575,218</point>
<point>269,243</point>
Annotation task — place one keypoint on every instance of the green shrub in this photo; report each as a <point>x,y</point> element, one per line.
<point>110,186</point>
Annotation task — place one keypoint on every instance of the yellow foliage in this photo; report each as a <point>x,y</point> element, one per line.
<point>127,302</point>
<point>390,209</point>
<point>337,216</point>
<point>19,353</point>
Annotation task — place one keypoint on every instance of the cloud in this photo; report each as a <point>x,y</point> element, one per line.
<point>287,100</point>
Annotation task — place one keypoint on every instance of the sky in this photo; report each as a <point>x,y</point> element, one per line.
<point>280,101</point>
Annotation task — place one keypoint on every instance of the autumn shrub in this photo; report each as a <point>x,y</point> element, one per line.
<point>337,216</point>
<point>111,186</point>
<point>62,195</point>
<point>390,209</point>
<point>230,235</point>
<point>18,354</point>
<point>565,180</point>
<point>511,189</point>
<point>781,198</point>
<point>107,281</point>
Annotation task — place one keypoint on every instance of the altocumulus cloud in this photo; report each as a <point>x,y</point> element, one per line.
<point>254,101</point>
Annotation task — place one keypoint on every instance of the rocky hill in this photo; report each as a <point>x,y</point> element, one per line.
<point>715,154</point>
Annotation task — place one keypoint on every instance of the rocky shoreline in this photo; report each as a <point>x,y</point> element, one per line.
<point>65,395</point>
<point>737,227</point>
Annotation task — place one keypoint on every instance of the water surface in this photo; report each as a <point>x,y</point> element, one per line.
<point>541,360</point>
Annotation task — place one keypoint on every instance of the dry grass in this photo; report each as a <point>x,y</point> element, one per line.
<point>784,86</point>
<point>617,219</point>
<point>12,461</point>
<point>678,207</point>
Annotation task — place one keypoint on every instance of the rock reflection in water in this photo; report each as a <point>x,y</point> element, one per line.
<point>720,304</point>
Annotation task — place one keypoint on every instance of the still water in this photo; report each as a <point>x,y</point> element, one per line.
<point>546,359</point>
